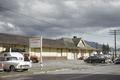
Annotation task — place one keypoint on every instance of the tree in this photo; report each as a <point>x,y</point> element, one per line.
<point>105,49</point>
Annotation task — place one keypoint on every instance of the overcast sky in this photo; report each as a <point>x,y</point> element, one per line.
<point>90,19</point>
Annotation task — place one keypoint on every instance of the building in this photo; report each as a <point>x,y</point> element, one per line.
<point>13,41</point>
<point>53,49</point>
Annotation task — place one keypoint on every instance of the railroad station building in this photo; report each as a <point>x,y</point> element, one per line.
<point>52,49</point>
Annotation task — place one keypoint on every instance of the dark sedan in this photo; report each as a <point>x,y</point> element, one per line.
<point>95,59</point>
<point>117,61</point>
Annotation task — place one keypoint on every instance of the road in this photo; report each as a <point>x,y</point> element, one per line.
<point>67,77</point>
<point>70,70</point>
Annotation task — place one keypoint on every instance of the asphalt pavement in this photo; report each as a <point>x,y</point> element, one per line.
<point>68,70</point>
<point>67,77</point>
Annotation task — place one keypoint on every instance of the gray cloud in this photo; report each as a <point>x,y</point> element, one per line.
<point>58,17</point>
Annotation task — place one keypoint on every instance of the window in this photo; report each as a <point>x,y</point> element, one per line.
<point>11,58</point>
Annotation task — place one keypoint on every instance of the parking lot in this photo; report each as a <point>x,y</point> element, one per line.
<point>67,67</point>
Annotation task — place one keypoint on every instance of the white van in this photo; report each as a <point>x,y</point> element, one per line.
<point>14,61</point>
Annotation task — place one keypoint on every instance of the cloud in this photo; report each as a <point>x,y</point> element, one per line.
<point>13,4</point>
<point>10,25</point>
<point>53,18</point>
<point>9,28</point>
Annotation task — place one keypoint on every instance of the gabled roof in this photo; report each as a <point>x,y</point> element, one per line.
<point>79,42</point>
<point>76,40</point>
<point>24,40</point>
<point>68,43</point>
<point>53,43</point>
<point>88,47</point>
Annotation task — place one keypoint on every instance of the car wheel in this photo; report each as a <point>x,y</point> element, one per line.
<point>12,68</point>
<point>25,70</point>
<point>5,70</point>
<point>35,61</point>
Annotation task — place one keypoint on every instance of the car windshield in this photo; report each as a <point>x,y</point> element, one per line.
<point>118,60</point>
<point>11,58</point>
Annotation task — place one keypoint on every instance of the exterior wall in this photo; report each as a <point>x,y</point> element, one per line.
<point>84,53</point>
<point>80,44</point>
<point>79,55</point>
<point>2,49</point>
<point>70,56</point>
<point>55,54</point>
<point>50,53</point>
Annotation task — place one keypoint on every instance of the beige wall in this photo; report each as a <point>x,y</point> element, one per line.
<point>2,49</point>
<point>70,56</point>
<point>55,52</point>
<point>51,52</point>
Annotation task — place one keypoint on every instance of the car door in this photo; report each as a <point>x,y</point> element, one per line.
<point>1,63</point>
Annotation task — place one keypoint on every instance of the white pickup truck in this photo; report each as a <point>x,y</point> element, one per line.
<point>12,61</point>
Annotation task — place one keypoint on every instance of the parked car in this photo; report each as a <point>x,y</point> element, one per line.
<point>1,64</point>
<point>13,61</point>
<point>95,59</point>
<point>117,61</point>
<point>34,59</point>
<point>108,60</point>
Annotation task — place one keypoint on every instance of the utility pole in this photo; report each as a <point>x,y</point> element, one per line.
<point>115,33</point>
<point>41,60</point>
<point>115,41</point>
